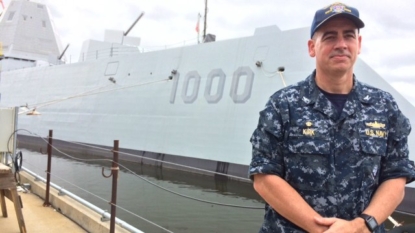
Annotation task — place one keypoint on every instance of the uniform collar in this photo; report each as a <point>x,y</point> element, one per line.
<point>310,91</point>
<point>311,95</point>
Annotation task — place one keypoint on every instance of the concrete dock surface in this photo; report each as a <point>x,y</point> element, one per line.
<point>64,215</point>
<point>38,219</point>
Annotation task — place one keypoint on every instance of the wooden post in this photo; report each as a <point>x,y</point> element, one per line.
<point>8,189</point>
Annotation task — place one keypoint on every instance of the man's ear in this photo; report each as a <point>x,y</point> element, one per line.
<point>311,48</point>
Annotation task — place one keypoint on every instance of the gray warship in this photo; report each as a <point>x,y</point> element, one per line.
<point>192,107</point>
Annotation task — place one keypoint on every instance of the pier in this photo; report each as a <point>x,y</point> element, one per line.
<point>55,218</point>
<point>37,218</point>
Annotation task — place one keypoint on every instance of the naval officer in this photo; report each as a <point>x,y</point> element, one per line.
<point>330,153</point>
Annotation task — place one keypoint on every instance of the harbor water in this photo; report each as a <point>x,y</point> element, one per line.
<point>223,206</point>
<point>168,210</point>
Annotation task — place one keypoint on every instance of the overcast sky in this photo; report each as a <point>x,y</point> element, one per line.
<point>388,38</point>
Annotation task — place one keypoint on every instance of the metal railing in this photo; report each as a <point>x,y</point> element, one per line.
<point>113,203</point>
<point>103,213</point>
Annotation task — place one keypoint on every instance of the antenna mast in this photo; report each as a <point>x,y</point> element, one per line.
<point>131,27</point>
<point>204,26</point>
<point>63,53</point>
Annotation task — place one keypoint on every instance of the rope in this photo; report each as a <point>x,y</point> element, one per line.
<point>89,94</point>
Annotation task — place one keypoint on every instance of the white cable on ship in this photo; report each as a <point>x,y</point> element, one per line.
<point>89,94</point>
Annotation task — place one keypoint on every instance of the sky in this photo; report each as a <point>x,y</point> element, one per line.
<point>388,44</point>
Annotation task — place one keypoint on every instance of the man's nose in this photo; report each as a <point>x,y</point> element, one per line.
<point>341,43</point>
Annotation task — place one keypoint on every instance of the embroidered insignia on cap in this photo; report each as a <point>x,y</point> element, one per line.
<point>308,124</point>
<point>338,8</point>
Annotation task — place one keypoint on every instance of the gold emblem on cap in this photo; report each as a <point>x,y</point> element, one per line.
<point>376,125</point>
<point>338,7</point>
<point>308,123</point>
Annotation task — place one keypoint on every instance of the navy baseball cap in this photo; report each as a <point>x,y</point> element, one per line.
<point>335,9</point>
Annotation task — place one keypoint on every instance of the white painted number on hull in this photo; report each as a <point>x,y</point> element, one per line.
<point>191,84</point>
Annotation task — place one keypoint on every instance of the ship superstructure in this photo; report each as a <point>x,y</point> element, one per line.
<point>27,36</point>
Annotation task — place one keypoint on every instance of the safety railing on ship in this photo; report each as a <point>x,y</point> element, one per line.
<point>119,50</point>
<point>114,51</point>
<point>106,53</point>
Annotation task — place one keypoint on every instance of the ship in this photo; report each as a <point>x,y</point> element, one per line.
<point>192,107</point>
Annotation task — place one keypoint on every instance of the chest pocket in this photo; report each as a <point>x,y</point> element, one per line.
<point>373,146</point>
<point>373,149</point>
<point>306,163</point>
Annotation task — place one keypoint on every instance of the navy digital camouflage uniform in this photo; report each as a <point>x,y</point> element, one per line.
<point>335,162</point>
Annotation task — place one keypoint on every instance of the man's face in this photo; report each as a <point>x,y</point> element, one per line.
<point>335,45</point>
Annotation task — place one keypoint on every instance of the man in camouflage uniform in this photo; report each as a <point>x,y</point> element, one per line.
<point>330,153</point>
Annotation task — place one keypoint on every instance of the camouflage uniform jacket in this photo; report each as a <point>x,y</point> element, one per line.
<point>334,162</point>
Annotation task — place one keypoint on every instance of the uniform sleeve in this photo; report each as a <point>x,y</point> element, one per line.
<point>396,162</point>
<point>267,142</point>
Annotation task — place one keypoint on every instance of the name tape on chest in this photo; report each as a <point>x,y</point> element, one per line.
<point>376,129</point>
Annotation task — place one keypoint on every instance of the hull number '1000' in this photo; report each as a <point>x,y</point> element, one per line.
<point>213,98</point>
